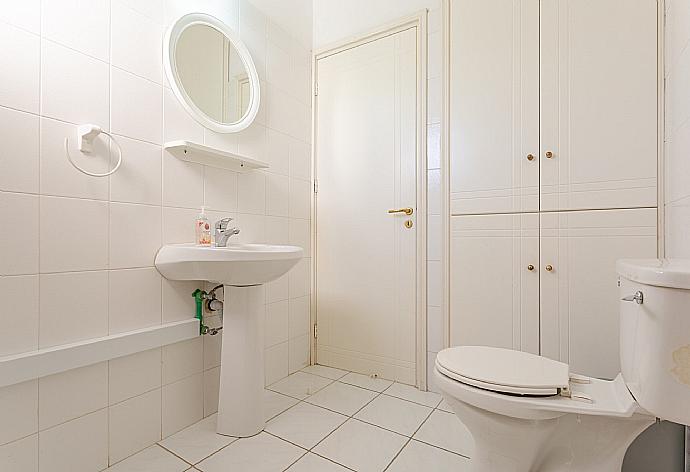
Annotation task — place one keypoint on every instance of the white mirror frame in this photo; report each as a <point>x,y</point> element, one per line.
<point>169,46</point>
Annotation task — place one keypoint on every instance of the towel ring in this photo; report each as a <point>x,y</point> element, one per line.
<point>87,133</point>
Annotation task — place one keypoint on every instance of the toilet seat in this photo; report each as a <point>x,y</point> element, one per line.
<point>459,374</point>
<point>504,370</point>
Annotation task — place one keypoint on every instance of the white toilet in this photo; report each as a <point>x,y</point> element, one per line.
<point>528,413</point>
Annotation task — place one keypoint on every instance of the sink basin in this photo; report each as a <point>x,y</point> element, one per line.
<point>236,264</point>
<point>243,269</point>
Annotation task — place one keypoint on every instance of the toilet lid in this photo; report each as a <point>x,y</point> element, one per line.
<point>503,370</point>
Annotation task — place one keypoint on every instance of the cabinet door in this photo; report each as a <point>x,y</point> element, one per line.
<point>598,104</point>
<point>579,295</point>
<point>494,296</point>
<point>494,106</point>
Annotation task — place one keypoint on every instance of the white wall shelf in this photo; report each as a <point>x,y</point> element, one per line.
<point>34,364</point>
<point>210,156</point>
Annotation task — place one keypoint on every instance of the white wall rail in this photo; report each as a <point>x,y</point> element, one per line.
<point>18,368</point>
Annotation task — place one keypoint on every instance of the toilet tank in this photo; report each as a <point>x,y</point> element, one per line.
<point>655,335</point>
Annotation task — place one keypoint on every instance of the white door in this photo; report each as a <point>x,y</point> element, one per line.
<point>599,104</point>
<point>494,106</point>
<point>366,160</point>
<point>494,281</point>
<point>579,291</point>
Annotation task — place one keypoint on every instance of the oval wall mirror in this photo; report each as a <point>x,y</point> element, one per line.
<point>211,72</point>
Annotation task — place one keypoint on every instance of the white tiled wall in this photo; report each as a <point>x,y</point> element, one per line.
<point>76,252</point>
<point>677,198</point>
<point>677,152</point>
<point>435,331</point>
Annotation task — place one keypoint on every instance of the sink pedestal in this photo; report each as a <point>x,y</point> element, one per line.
<point>243,269</point>
<point>240,401</point>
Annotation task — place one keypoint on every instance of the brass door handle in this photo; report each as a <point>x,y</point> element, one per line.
<point>549,268</point>
<point>407,211</point>
<point>530,267</point>
<point>549,154</point>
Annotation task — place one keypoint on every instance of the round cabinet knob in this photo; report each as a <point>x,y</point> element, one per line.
<point>549,268</point>
<point>549,154</point>
<point>530,157</point>
<point>530,267</point>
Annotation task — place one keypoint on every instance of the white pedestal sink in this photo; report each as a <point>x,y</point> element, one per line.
<point>242,269</point>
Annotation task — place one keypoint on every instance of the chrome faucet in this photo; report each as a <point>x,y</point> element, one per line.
<point>223,233</point>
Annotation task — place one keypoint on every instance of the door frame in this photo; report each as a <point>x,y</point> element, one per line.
<point>418,21</point>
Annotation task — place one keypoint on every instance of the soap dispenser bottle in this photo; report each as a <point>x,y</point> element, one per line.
<point>203,229</point>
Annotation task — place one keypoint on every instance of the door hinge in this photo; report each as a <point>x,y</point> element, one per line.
<point>316,89</point>
<point>316,186</point>
<point>316,331</point>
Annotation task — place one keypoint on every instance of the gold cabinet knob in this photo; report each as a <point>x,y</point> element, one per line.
<point>549,154</point>
<point>407,211</point>
<point>530,267</point>
<point>549,268</point>
<point>530,157</point>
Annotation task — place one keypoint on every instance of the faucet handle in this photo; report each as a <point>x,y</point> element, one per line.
<point>222,224</point>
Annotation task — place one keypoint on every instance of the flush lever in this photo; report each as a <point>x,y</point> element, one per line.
<point>637,298</point>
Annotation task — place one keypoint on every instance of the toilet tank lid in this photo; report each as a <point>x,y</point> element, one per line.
<point>672,273</point>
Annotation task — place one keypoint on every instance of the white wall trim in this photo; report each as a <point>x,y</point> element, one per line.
<point>445,175</point>
<point>19,368</point>
<point>418,21</point>
<point>661,129</point>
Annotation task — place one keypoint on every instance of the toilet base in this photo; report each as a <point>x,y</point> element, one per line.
<point>568,443</point>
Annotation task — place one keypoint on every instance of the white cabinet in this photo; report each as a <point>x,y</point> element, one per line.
<point>553,140</point>
<point>598,104</point>
<point>553,105</point>
<point>494,106</point>
<point>579,295</point>
<point>545,283</point>
<point>494,296</point>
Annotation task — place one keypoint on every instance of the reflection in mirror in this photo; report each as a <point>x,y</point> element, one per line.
<point>212,73</point>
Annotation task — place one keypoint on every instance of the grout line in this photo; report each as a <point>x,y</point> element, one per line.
<point>331,460</point>
<point>442,448</point>
<point>397,454</point>
<point>296,460</point>
<point>177,455</point>
<point>410,439</point>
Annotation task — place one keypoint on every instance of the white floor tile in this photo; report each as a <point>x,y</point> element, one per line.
<point>413,394</point>
<point>361,446</point>
<point>305,425</point>
<point>445,430</point>
<point>300,385</point>
<point>276,403</point>
<point>325,371</point>
<point>260,453</point>
<point>313,463</point>
<point>153,459</point>
<point>418,456</point>
<point>364,381</point>
<point>395,414</point>
<point>343,398</point>
<point>198,441</point>
<point>20,455</point>
<point>445,406</point>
